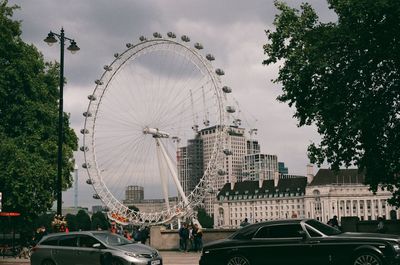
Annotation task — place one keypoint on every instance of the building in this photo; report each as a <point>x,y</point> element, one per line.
<point>282,169</point>
<point>259,167</point>
<point>322,196</point>
<point>133,194</point>
<point>273,199</point>
<point>190,164</point>
<point>343,194</point>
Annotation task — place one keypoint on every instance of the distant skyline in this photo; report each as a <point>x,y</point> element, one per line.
<point>235,38</point>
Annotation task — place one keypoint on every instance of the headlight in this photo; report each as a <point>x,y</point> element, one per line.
<point>133,255</point>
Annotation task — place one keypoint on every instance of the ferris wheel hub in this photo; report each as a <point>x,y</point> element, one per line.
<point>155,132</point>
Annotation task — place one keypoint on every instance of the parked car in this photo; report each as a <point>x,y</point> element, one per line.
<point>92,248</point>
<point>299,242</point>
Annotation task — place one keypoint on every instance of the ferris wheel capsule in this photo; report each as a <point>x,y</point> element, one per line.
<point>210,57</point>
<point>198,46</point>
<point>86,165</point>
<point>157,35</point>
<point>87,114</point>
<point>226,89</point>
<point>84,148</point>
<point>84,131</point>
<point>128,45</point>
<point>171,35</point>
<point>107,68</point>
<point>219,71</point>
<point>116,55</point>
<point>96,196</point>
<point>98,82</point>
<point>230,109</point>
<point>142,38</point>
<point>89,181</point>
<point>185,38</point>
<point>92,97</point>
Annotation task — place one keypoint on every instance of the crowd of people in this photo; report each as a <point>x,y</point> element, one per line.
<point>190,237</point>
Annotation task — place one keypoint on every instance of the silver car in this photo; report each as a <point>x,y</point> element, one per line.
<point>92,247</point>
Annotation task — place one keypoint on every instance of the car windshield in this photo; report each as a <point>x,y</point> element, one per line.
<point>112,239</point>
<point>323,228</point>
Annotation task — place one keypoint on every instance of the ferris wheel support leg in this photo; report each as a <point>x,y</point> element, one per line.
<point>173,172</point>
<point>164,181</point>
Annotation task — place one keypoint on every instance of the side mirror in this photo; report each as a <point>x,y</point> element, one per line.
<point>97,245</point>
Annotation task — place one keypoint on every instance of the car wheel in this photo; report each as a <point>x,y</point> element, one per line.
<point>238,260</point>
<point>48,262</point>
<point>366,258</point>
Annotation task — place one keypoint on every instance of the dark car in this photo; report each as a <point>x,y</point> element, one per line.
<point>306,241</point>
<point>92,248</point>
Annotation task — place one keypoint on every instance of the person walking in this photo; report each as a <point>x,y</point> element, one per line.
<point>183,238</point>
<point>197,237</point>
<point>245,222</point>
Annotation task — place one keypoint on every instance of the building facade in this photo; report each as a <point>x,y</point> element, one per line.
<point>288,196</point>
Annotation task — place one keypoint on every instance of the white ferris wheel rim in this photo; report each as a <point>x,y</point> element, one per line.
<point>94,171</point>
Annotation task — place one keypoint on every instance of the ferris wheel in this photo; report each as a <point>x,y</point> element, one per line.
<point>148,108</point>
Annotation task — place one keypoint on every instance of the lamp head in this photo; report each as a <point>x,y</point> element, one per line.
<point>73,48</point>
<point>50,39</point>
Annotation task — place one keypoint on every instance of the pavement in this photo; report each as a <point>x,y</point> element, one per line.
<point>169,258</point>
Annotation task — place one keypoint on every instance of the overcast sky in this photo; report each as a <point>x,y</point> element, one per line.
<point>232,30</point>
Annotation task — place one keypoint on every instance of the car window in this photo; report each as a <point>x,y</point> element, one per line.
<point>323,228</point>
<point>112,239</point>
<point>279,231</point>
<point>86,241</point>
<point>52,241</point>
<point>68,241</point>
<point>312,233</point>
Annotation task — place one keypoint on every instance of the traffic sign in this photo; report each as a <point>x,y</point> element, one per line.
<point>10,214</point>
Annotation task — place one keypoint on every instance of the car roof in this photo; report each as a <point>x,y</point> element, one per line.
<point>94,232</point>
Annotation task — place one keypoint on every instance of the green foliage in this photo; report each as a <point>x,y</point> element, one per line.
<point>205,220</point>
<point>29,124</point>
<point>99,219</point>
<point>71,222</point>
<point>83,221</point>
<point>344,77</point>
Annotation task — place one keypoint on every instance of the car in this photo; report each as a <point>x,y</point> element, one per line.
<point>301,242</point>
<point>92,248</point>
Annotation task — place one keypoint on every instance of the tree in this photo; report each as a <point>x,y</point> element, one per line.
<point>29,124</point>
<point>99,219</point>
<point>71,222</point>
<point>344,77</point>
<point>205,220</point>
<point>83,220</point>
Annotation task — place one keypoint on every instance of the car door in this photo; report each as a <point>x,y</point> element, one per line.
<point>279,244</point>
<point>64,253</point>
<point>86,253</point>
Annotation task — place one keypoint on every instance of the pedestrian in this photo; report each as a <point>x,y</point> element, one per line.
<point>191,238</point>
<point>334,222</point>
<point>381,228</point>
<point>40,233</point>
<point>245,222</point>
<point>144,234</point>
<point>127,235</point>
<point>113,228</point>
<point>197,237</point>
<point>183,238</point>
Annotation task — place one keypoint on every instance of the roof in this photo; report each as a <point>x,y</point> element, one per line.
<point>342,176</point>
<point>294,185</point>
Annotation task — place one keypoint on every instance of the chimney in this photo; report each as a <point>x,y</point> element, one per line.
<point>260,182</point>
<point>310,173</point>
<point>276,179</point>
<point>233,181</point>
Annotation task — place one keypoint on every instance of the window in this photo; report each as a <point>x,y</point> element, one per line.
<point>279,231</point>
<point>68,241</point>
<point>52,241</point>
<point>87,241</point>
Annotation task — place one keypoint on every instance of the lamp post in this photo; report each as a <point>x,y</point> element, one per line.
<point>51,39</point>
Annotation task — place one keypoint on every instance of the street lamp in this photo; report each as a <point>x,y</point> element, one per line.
<point>73,48</point>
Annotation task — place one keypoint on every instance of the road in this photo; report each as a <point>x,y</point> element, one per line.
<point>169,258</point>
